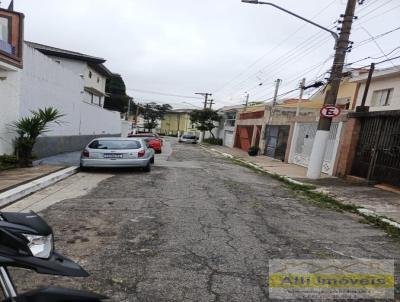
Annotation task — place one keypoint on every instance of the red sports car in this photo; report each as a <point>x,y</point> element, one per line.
<point>153,140</point>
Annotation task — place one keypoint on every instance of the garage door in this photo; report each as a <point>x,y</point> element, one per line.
<point>228,138</point>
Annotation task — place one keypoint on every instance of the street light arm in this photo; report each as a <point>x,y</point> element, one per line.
<point>334,35</point>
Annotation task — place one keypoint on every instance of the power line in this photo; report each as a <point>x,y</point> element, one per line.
<point>304,48</point>
<point>269,51</point>
<point>378,15</point>
<point>163,93</point>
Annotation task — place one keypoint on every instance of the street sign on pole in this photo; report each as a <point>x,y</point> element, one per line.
<point>329,111</point>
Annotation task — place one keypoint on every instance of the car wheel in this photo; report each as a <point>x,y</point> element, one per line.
<point>82,168</point>
<point>147,168</point>
<point>152,160</point>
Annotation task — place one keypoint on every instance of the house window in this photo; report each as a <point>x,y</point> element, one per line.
<point>382,97</point>
<point>5,35</point>
<point>98,80</point>
<point>90,74</point>
<point>230,119</point>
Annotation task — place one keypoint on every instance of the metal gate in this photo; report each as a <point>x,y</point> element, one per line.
<point>303,143</point>
<point>276,138</point>
<point>378,150</point>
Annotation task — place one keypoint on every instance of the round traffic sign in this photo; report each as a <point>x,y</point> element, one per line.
<point>330,111</point>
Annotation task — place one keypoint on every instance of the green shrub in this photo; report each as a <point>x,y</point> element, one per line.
<point>8,159</point>
<point>213,141</point>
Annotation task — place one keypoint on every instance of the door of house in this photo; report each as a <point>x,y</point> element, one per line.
<point>244,135</point>
<point>303,140</point>
<point>378,150</point>
<point>276,138</point>
<point>228,138</point>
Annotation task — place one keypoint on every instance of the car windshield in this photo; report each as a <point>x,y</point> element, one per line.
<point>189,136</point>
<point>115,144</point>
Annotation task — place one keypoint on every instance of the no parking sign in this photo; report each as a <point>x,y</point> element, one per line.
<point>329,111</point>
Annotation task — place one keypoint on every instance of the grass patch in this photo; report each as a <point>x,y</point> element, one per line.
<point>391,230</point>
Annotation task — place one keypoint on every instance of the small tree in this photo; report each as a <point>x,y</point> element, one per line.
<point>205,119</point>
<point>28,130</point>
<point>152,112</point>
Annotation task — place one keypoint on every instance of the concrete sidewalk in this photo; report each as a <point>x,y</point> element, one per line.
<point>378,201</point>
<point>15,177</point>
<point>20,182</point>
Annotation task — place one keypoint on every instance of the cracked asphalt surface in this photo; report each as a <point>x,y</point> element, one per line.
<point>201,230</point>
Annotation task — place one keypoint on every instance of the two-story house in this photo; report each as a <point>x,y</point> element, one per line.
<point>91,69</point>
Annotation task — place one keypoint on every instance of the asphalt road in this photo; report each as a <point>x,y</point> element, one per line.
<point>197,228</point>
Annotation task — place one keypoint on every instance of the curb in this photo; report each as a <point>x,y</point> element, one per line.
<point>12,195</point>
<point>360,210</point>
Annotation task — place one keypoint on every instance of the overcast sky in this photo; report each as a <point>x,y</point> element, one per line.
<point>220,46</point>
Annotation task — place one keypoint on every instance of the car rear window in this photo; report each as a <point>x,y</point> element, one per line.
<point>142,135</point>
<point>189,136</point>
<point>115,144</point>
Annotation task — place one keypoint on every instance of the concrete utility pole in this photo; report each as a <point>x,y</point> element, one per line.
<point>302,85</point>
<point>364,108</point>
<point>274,100</point>
<point>324,125</point>
<point>129,108</point>
<point>206,95</point>
<point>277,84</point>
<point>136,116</point>
<point>211,103</point>
<point>247,101</point>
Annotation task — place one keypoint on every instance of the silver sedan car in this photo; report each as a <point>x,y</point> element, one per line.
<point>188,138</point>
<point>117,152</point>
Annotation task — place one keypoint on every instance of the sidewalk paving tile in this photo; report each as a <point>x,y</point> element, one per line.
<point>14,177</point>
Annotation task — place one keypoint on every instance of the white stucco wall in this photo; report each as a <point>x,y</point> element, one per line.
<point>380,84</point>
<point>92,82</point>
<point>43,82</point>
<point>9,105</point>
<point>46,83</point>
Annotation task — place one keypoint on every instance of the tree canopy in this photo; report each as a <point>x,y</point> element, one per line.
<point>205,119</point>
<point>153,112</point>
<point>116,98</point>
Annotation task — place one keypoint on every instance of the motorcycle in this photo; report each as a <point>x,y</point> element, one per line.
<point>26,241</point>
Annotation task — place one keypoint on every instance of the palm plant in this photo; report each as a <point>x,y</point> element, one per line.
<point>28,130</point>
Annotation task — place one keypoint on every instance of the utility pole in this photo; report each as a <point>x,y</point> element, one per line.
<point>206,95</point>
<point>129,108</point>
<point>136,116</point>
<point>274,101</point>
<point>302,85</point>
<point>364,108</point>
<point>247,101</point>
<point>277,84</point>
<point>324,125</point>
<point>211,103</point>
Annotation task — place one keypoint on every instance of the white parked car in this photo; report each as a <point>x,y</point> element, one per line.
<point>110,152</point>
<point>188,138</point>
